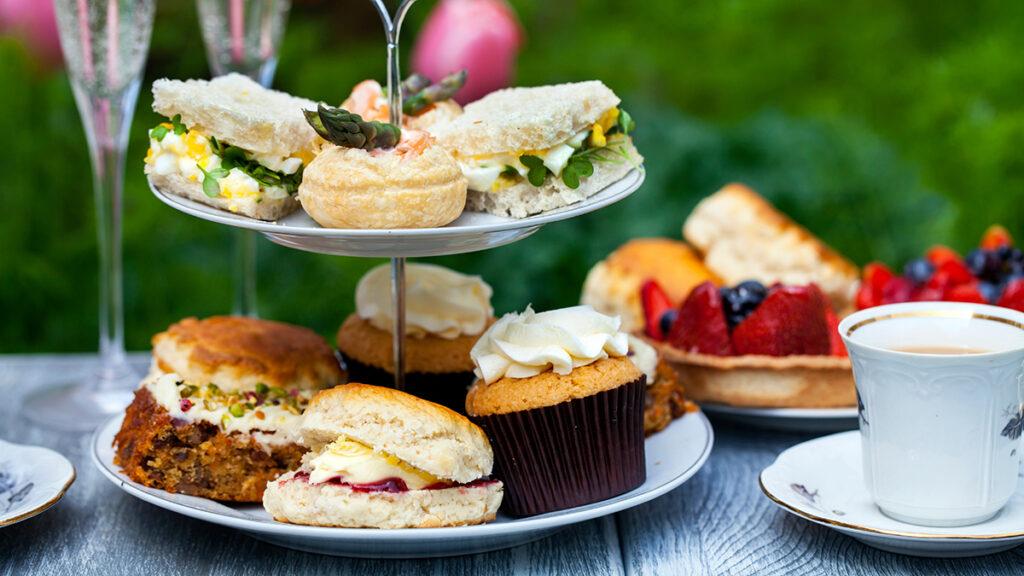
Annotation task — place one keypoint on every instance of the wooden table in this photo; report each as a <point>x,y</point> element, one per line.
<point>717,523</point>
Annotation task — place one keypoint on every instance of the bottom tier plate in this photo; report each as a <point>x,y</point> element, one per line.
<point>674,455</point>
<point>813,420</point>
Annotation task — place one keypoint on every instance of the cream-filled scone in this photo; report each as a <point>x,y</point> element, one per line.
<point>529,150</point>
<point>380,458</point>
<point>218,416</point>
<point>664,398</point>
<point>231,144</point>
<point>564,406</point>
<point>379,176</point>
<point>445,313</point>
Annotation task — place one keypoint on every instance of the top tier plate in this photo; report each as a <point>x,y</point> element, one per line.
<point>471,232</point>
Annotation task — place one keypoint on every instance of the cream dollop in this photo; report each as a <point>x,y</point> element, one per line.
<point>356,463</point>
<point>524,345</point>
<point>645,357</point>
<point>438,301</point>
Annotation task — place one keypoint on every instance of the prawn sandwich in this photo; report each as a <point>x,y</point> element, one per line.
<point>379,176</point>
<point>529,150</point>
<point>231,144</point>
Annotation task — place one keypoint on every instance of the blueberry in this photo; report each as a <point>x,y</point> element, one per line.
<point>983,263</point>
<point>667,320</point>
<point>990,291</point>
<point>752,292</point>
<point>740,301</point>
<point>1004,253</point>
<point>919,271</point>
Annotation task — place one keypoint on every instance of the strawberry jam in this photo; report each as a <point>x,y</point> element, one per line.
<point>392,485</point>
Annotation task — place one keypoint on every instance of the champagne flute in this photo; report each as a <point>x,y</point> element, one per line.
<point>243,36</point>
<point>105,43</point>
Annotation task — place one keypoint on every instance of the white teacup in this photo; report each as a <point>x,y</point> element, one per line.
<point>941,431</point>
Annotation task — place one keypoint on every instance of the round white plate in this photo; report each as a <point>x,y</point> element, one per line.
<point>673,456</point>
<point>32,479</point>
<point>822,481</point>
<point>788,419</point>
<point>471,232</point>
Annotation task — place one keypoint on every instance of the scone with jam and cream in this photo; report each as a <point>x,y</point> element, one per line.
<point>445,313</point>
<point>380,458</point>
<point>218,416</point>
<point>564,405</point>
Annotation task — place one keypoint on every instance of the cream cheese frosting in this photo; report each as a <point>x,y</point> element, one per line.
<point>645,357</point>
<point>438,301</point>
<point>526,344</point>
<point>277,426</point>
<point>356,463</point>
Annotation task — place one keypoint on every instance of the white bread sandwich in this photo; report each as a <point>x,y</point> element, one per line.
<point>231,144</point>
<point>381,458</point>
<point>529,150</point>
<point>743,237</point>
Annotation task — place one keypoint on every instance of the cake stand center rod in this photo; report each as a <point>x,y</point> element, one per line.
<point>392,31</point>
<point>398,305</point>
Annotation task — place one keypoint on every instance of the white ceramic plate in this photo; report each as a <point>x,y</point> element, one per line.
<point>32,479</point>
<point>673,456</point>
<point>472,231</point>
<point>822,481</point>
<point>788,419</point>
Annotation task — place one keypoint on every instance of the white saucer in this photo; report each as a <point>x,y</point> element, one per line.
<point>32,479</point>
<point>471,232</point>
<point>788,419</point>
<point>821,480</point>
<point>673,456</point>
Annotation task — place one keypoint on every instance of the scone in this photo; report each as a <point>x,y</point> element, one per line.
<point>613,285</point>
<point>564,406</point>
<point>218,416</point>
<point>664,398</point>
<point>743,237</point>
<point>445,313</point>
<point>231,144</point>
<point>378,176</point>
<point>380,458</point>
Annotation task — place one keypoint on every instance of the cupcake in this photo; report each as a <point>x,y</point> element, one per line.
<point>563,406</point>
<point>445,313</point>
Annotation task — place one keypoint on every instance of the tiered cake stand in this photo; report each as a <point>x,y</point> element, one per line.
<point>673,455</point>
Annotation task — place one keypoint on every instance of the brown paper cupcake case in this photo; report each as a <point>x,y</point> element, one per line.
<point>448,389</point>
<point>569,454</point>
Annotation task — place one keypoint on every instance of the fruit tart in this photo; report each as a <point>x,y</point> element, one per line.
<point>993,273</point>
<point>753,346</point>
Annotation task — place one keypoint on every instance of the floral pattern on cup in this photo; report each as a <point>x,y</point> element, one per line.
<point>1015,427</point>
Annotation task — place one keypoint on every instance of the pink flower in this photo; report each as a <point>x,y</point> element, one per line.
<point>33,21</point>
<point>481,36</point>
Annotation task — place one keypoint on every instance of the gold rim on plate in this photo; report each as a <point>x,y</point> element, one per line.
<point>919,535</point>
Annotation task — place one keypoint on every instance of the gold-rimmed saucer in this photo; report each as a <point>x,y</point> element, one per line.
<point>32,479</point>
<point>821,480</point>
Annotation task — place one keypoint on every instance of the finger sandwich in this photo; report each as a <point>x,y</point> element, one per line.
<point>529,150</point>
<point>231,144</point>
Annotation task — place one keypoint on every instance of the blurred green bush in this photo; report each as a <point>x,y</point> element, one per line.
<point>883,126</point>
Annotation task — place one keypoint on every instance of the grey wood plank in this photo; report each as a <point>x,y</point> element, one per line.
<point>98,529</point>
<point>719,523</point>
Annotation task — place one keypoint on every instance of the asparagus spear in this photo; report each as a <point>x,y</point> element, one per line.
<point>443,90</point>
<point>344,128</point>
<point>413,84</point>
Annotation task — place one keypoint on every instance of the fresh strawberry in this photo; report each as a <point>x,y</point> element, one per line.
<point>898,289</point>
<point>791,320</point>
<point>995,237</point>
<point>964,293</point>
<point>701,326</point>
<point>655,303</point>
<point>956,272</point>
<point>939,255</point>
<point>1013,295</point>
<point>835,342</point>
<point>926,293</point>
<point>876,276</point>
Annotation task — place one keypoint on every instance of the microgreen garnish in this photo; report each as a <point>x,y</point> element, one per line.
<point>179,128</point>
<point>158,133</point>
<point>538,171</point>
<point>235,157</point>
<point>210,186</point>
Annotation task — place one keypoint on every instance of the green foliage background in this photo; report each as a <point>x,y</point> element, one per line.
<point>884,126</point>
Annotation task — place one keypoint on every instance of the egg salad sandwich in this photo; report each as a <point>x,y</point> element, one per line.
<point>529,150</point>
<point>381,458</point>
<point>231,144</point>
